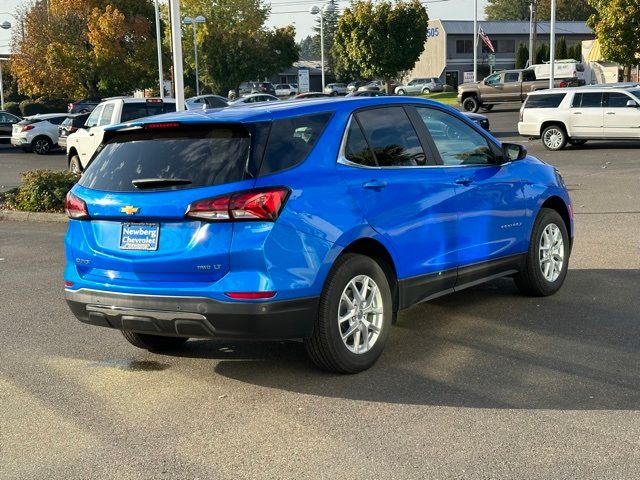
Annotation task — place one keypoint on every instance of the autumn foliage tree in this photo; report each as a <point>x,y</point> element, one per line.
<point>381,39</point>
<point>77,48</point>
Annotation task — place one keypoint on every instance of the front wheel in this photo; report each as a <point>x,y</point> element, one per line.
<point>354,316</point>
<point>547,259</point>
<point>471,104</point>
<point>401,92</point>
<point>74,165</point>
<point>155,343</point>
<point>426,91</point>
<point>554,138</point>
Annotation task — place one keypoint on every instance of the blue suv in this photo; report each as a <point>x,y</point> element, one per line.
<point>317,220</point>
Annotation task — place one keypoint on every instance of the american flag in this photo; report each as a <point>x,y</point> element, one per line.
<point>486,40</point>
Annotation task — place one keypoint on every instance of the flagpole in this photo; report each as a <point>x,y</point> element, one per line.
<point>475,40</point>
<point>552,45</point>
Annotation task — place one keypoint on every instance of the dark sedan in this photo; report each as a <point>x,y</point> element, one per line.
<point>6,125</point>
<point>85,105</point>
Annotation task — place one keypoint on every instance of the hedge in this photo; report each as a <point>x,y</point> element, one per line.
<point>41,191</point>
<point>13,107</point>
<point>43,105</point>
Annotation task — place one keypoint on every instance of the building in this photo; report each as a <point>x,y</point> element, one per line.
<point>290,75</point>
<point>448,52</point>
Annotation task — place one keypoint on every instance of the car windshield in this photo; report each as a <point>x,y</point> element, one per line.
<point>635,93</point>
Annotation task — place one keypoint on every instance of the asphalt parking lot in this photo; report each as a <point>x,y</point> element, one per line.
<point>483,384</point>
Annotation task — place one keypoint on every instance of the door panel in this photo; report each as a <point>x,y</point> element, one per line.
<point>586,115</point>
<point>619,120</point>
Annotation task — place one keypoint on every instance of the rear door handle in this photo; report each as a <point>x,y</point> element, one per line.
<point>611,113</point>
<point>374,185</point>
<point>577,113</point>
<point>466,181</point>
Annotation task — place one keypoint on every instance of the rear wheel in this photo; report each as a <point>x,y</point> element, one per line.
<point>471,104</point>
<point>401,92</point>
<point>554,137</point>
<point>426,91</point>
<point>156,343</point>
<point>354,316</point>
<point>548,257</point>
<point>41,145</point>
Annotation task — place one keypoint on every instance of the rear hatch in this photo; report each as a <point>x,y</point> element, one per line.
<point>24,125</point>
<point>137,190</point>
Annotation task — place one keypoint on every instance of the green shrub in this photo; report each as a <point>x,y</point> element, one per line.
<point>43,105</point>
<point>41,191</point>
<point>12,107</point>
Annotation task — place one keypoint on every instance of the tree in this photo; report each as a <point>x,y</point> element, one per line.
<point>330,24</point>
<point>74,48</point>
<point>381,39</point>
<point>561,49</point>
<point>542,53</point>
<point>522,56</point>
<point>616,24</point>
<point>309,49</point>
<point>519,10</point>
<point>234,44</point>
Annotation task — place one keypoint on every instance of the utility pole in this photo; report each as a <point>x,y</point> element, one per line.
<point>475,40</point>
<point>534,31</point>
<point>176,43</point>
<point>552,45</point>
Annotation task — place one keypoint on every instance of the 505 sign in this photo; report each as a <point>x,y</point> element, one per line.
<point>433,32</point>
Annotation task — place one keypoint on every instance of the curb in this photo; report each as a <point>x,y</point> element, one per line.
<point>38,217</point>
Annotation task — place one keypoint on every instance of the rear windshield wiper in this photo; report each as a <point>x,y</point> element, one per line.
<point>159,182</point>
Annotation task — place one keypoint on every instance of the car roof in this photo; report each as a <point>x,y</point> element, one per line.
<point>140,100</point>
<point>267,111</point>
<point>46,116</point>
<point>589,88</point>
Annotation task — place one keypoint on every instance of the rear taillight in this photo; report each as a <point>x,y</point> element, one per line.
<point>70,106</point>
<point>73,129</point>
<point>161,125</point>
<point>26,128</point>
<point>260,204</point>
<point>563,84</point>
<point>75,207</point>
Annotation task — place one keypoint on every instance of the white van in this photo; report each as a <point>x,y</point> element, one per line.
<point>563,69</point>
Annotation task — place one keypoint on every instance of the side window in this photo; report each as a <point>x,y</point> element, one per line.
<point>587,100</point>
<point>92,121</point>
<point>4,118</point>
<point>394,141</point>
<point>457,142</point>
<point>617,100</point>
<point>131,111</point>
<point>511,77</point>
<point>57,120</point>
<point>105,118</point>
<point>291,140</point>
<point>528,76</point>
<point>493,79</point>
<point>357,149</point>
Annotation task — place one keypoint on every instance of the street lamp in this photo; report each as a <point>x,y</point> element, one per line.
<point>5,26</point>
<point>194,21</point>
<point>159,48</point>
<point>314,10</point>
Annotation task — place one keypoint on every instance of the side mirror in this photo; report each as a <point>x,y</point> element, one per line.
<point>513,151</point>
<point>632,103</point>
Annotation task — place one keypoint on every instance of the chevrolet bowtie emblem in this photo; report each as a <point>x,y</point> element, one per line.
<point>130,210</point>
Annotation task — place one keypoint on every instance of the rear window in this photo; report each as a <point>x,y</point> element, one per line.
<point>203,157</point>
<point>133,111</point>
<point>291,140</point>
<point>544,101</point>
<point>587,100</point>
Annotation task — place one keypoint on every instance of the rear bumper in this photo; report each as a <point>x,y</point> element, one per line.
<point>529,129</point>
<point>195,316</point>
<point>19,141</point>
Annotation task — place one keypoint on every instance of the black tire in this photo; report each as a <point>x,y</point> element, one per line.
<point>471,104</point>
<point>155,343</point>
<point>334,94</point>
<point>576,142</point>
<point>74,165</point>
<point>41,145</point>
<point>554,137</point>
<point>487,108</point>
<point>426,91</point>
<point>326,347</point>
<point>531,280</point>
<point>401,92</point>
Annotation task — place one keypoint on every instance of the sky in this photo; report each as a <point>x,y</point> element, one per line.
<point>296,12</point>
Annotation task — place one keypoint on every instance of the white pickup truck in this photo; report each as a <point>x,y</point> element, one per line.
<point>82,144</point>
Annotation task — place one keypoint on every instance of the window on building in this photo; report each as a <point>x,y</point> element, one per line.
<point>464,46</point>
<point>506,46</point>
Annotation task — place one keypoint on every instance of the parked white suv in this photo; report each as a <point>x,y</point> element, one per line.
<point>336,89</point>
<point>82,144</point>
<point>38,133</point>
<point>575,115</point>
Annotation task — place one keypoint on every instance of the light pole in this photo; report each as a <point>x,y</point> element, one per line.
<point>326,9</point>
<point>194,21</point>
<point>552,45</point>
<point>475,40</point>
<point>5,26</point>
<point>176,44</point>
<point>159,47</point>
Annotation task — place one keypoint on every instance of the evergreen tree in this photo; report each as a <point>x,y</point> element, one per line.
<point>561,49</point>
<point>330,24</point>
<point>522,56</point>
<point>542,53</point>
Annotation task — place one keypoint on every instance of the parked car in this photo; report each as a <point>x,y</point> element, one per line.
<point>206,101</point>
<point>336,89</point>
<point>253,98</point>
<point>7,120</point>
<point>481,120</point>
<point>38,133</point>
<point>323,233</point>
<point>420,85</point>
<point>70,124</point>
<point>353,86</point>
<point>367,93</point>
<point>263,87</point>
<point>576,115</point>
<point>501,87</point>
<point>373,85</point>
<point>83,106</point>
<point>567,69</point>
<point>82,144</point>
<point>302,96</point>
<point>286,90</point>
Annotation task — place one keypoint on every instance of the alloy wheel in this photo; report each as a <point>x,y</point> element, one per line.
<point>551,252</point>
<point>553,138</point>
<point>360,314</point>
<point>41,146</point>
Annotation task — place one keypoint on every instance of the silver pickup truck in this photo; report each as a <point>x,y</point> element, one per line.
<point>502,87</point>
